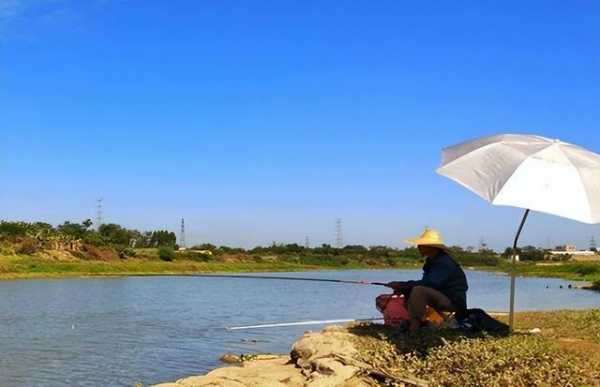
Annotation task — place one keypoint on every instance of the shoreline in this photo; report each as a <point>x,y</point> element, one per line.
<point>136,268</point>
<point>17,267</point>
<point>189,268</point>
<point>548,348</point>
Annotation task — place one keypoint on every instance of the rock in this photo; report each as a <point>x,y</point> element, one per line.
<point>230,358</point>
<point>324,359</point>
<point>535,330</point>
<point>319,356</point>
<point>256,373</point>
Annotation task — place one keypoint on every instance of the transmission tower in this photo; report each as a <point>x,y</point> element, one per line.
<point>99,214</point>
<point>339,237</point>
<point>482,244</point>
<point>307,242</point>
<point>182,235</point>
<point>593,246</point>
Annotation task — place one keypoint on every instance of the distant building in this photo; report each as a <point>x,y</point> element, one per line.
<point>572,251</point>
<point>566,248</point>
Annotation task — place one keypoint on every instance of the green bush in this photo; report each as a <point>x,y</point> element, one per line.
<point>6,249</point>
<point>28,247</point>
<point>587,270</point>
<point>166,254</point>
<point>127,253</point>
<point>195,256</point>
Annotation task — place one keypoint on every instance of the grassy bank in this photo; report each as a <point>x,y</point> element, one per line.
<point>565,352</point>
<point>25,266</point>
<point>575,271</point>
<point>55,264</point>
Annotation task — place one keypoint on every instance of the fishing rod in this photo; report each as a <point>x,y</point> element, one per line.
<point>300,323</point>
<point>285,278</point>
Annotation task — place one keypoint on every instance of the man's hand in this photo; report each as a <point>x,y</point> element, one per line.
<point>397,285</point>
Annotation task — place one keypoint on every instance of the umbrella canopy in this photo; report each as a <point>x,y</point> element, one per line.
<point>529,172</point>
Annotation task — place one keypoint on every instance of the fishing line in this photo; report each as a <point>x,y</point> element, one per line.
<point>284,278</point>
<point>300,323</point>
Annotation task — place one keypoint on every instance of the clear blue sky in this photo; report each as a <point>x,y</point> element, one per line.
<point>263,121</point>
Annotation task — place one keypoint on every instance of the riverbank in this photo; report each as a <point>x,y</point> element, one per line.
<point>35,267</point>
<point>147,262</point>
<point>566,351</point>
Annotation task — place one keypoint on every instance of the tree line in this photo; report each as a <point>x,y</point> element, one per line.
<point>44,235</point>
<point>110,234</point>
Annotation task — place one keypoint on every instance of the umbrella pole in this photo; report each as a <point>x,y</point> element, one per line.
<point>511,315</point>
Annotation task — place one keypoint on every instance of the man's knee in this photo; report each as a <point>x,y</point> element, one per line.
<point>431,297</point>
<point>418,293</point>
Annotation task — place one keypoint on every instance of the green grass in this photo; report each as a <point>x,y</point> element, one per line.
<point>22,266</point>
<point>576,271</point>
<point>565,352</point>
<point>147,262</point>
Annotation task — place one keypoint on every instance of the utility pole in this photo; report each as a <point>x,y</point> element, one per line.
<point>99,214</point>
<point>182,234</point>
<point>339,237</point>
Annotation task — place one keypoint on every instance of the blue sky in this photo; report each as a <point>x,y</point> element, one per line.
<point>263,121</point>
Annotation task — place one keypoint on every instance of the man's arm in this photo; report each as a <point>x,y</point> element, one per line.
<point>433,278</point>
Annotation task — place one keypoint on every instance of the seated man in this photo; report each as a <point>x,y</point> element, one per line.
<point>443,286</point>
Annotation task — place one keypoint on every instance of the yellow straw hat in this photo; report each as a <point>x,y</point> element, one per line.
<point>430,237</point>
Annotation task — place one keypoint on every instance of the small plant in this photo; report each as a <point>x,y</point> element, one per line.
<point>127,253</point>
<point>166,254</point>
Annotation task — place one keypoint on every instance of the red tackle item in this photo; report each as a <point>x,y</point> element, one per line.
<point>393,307</point>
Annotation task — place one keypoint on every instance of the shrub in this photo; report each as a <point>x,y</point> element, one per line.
<point>166,254</point>
<point>195,256</point>
<point>98,254</point>
<point>6,249</point>
<point>127,253</point>
<point>587,270</point>
<point>28,247</point>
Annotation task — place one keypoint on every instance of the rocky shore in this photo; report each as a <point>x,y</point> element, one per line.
<point>548,349</point>
<point>327,358</point>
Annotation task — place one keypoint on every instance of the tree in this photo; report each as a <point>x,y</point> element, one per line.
<point>532,253</point>
<point>75,230</point>
<point>163,238</point>
<point>13,229</point>
<point>113,234</point>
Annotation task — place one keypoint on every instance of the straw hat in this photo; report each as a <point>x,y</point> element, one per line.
<point>430,237</point>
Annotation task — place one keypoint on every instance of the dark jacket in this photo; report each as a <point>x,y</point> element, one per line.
<point>445,275</point>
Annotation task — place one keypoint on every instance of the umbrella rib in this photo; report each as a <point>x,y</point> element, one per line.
<point>581,179</point>
<point>476,150</point>
<point>515,171</point>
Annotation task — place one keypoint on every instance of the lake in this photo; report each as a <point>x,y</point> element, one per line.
<point>120,331</point>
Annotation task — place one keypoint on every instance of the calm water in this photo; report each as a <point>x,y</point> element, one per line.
<point>105,332</point>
